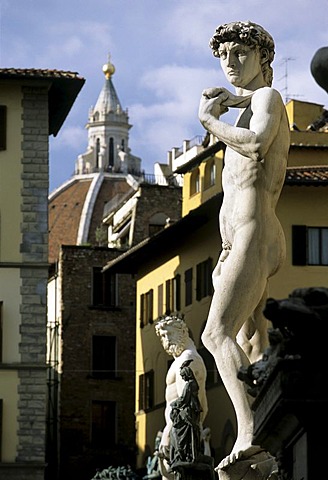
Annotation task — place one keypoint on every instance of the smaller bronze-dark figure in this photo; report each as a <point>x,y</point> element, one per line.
<point>185,416</point>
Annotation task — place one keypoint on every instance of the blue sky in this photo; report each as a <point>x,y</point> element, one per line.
<point>162,60</point>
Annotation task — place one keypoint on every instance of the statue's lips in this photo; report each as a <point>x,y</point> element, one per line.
<point>233,73</point>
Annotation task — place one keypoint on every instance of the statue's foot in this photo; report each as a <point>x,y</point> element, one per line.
<point>236,455</point>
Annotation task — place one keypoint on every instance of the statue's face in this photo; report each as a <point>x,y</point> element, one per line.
<point>172,340</point>
<point>240,63</point>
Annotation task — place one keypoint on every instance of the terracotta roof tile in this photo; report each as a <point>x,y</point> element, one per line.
<point>36,73</point>
<point>65,209</point>
<point>64,216</point>
<point>307,176</point>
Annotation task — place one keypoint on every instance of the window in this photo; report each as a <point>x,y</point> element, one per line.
<point>0,429</point>
<point>146,308</point>
<point>1,332</point>
<point>210,173</point>
<point>204,279</point>
<point>173,295</point>
<point>97,153</point>
<point>309,245</point>
<point>104,288</point>
<point>111,153</point>
<point>103,432</point>
<point>103,356</point>
<point>3,127</point>
<point>195,182</point>
<point>188,286</point>
<point>160,300</point>
<point>146,390</point>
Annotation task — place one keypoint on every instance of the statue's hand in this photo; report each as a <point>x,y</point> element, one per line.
<point>220,93</point>
<point>164,451</point>
<point>211,104</point>
<point>228,99</point>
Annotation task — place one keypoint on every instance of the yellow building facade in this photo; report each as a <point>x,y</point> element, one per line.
<point>173,269</point>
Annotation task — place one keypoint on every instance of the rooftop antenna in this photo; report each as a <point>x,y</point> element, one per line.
<point>287,95</point>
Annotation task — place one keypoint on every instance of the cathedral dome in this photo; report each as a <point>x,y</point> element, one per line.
<point>107,170</point>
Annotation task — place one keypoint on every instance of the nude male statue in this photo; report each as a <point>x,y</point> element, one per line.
<point>253,243</point>
<point>173,333</point>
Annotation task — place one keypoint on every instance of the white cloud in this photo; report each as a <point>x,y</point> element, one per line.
<point>173,115</point>
<point>71,137</point>
<point>162,58</point>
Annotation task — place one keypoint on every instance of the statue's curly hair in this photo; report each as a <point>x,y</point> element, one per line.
<point>250,34</point>
<point>176,320</point>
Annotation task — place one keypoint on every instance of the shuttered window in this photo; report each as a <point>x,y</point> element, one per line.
<point>309,245</point>
<point>3,127</point>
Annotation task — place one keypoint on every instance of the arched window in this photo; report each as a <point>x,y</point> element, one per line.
<point>111,152</point>
<point>123,145</point>
<point>210,173</point>
<point>96,117</point>
<point>195,182</point>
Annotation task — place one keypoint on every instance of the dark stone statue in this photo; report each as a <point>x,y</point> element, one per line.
<point>187,460</point>
<point>185,415</point>
<point>299,331</point>
<point>319,67</point>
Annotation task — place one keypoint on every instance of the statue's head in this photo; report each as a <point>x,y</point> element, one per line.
<point>173,332</point>
<point>250,34</point>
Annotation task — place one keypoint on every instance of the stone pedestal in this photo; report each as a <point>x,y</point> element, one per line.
<point>291,419</point>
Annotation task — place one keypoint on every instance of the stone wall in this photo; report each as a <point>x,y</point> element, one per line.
<point>156,199</point>
<point>80,321</point>
<point>34,274</point>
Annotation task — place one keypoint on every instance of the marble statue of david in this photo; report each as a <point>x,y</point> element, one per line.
<point>253,243</point>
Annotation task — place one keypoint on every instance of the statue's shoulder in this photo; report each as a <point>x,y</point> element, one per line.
<point>268,93</point>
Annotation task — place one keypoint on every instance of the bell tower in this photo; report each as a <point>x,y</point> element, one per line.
<point>108,134</point>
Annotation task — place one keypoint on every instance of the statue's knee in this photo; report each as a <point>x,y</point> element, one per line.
<point>208,340</point>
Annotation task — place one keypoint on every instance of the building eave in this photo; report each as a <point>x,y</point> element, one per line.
<point>63,88</point>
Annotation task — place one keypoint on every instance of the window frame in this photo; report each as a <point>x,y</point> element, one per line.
<point>104,292</point>
<point>195,182</point>
<point>1,332</point>
<point>188,280</point>
<point>3,127</point>
<point>210,174</point>
<point>204,286</point>
<point>147,390</point>
<point>301,245</point>
<point>104,369</point>
<point>107,426</point>
<point>147,308</point>
<point>173,295</point>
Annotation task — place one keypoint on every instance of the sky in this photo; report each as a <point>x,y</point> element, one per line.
<point>162,61</point>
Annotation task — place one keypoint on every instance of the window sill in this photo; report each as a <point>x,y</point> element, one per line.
<point>110,308</point>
